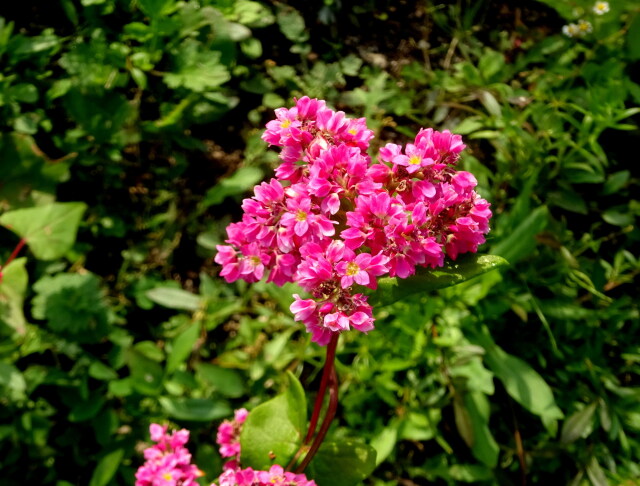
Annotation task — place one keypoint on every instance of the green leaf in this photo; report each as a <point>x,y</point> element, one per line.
<point>578,425</point>
<point>226,382</point>
<point>520,242</point>
<point>292,25</point>
<point>241,181</point>
<point>195,409</point>
<point>195,69</point>
<point>182,346</point>
<point>385,442</point>
<point>12,383</point>
<point>522,382</point>
<point>72,304</point>
<point>173,298</point>
<point>13,286</point>
<point>147,375</point>
<point>633,39</point>
<point>156,8</point>
<point>484,446</point>
<point>344,463</point>
<point>50,230</point>
<point>395,289</point>
<point>106,468</point>
<point>275,428</point>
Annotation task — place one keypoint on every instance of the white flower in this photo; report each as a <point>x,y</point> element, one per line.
<point>570,30</point>
<point>584,27</point>
<point>601,8</point>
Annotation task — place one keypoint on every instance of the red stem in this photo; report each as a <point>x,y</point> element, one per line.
<point>327,374</point>
<point>15,252</point>
<point>324,428</point>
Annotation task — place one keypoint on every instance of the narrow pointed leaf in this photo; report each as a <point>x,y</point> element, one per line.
<point>393,289</point>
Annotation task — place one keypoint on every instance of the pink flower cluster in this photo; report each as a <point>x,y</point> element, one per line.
<point>275,476</point>
<point>228,438</point>
<point>333,220</point>
<point>168,462</point>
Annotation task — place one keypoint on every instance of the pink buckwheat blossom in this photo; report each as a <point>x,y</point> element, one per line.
<point>333,221</point>
<point>228,438</point>
<point>168,462</point>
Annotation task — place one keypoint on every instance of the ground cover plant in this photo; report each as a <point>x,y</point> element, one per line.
<point>131,133</point>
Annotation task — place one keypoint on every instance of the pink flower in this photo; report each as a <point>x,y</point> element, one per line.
<point>168,462</point>
<point>332,219</point>
<point>362,269</point>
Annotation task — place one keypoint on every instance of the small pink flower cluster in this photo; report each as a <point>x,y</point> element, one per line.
<point>167,463</point>
<point>333,219</point>
<point>275,476</point>
<point>228,438</point>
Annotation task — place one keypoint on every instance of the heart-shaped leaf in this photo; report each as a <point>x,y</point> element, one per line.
<point>50,230</point>
<point>273,430</point>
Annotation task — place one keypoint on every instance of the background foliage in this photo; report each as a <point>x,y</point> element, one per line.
<point>130,131</point>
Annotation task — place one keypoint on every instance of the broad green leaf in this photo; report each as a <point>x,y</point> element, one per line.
<point>147,375</point>
<point>174,298</point>
<point>274,430</point>
<point>73,304</point>
<point>12,382</point>
<point>28,179</point>
<point>633,38</point>
<point>182,346</point>
<point>13,285</point>
<point>241,181</point>
<point>106,468</point>
<point>292,24</point>
<point>156,8</point>
<point>343,463</point>
<point>521,381</point>
<point>385,442</point>
<point>578,425</point>
<point>196,69</point>
<point>195,409</point>
<point>225,381</point>
<point>521,241</point>
<point>425,280</point>
<point>50,230</point>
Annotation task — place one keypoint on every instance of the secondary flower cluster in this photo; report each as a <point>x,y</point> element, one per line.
<point>168,462</point>
<point>228,438</point>
<point>584,27</point>
<point>333,220</point>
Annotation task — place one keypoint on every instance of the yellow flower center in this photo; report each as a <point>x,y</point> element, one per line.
<point>286,124</point>
<point>352,269</point>
<point>167,476</point>
<point>301,215</point>
<point>415,159</point>
<point>255,261</point>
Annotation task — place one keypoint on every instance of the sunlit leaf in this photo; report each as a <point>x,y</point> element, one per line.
<point>425,280</point>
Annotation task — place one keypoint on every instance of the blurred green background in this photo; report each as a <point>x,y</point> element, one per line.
<point>129,134</point>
